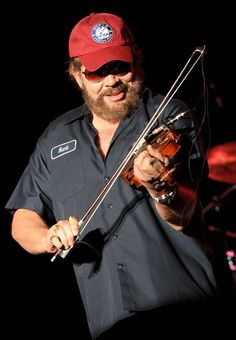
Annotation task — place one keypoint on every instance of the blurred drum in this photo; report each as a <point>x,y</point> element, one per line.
<point>222,163</point>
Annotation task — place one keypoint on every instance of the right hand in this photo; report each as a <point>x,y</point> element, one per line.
<point>62,234</point>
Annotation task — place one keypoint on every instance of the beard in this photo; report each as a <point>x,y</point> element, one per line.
<point>120,110</point>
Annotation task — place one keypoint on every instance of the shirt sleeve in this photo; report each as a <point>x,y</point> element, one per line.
<point>32,190</point>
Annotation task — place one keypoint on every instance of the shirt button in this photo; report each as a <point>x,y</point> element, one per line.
<point>109,206</point>
<point>107,178</point>
<point>115,236</point>
<point>120,266</point>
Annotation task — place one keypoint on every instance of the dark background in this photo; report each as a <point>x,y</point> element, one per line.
<point>36,89</point>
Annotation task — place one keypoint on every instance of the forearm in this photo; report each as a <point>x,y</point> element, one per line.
<point>175,208</point>
<point>179,211</point>
<point>30,231</point>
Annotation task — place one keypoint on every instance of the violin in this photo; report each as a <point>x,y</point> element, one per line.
<point>166,141</point>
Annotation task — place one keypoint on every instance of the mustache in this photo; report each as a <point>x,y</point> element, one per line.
<point>115,90</point>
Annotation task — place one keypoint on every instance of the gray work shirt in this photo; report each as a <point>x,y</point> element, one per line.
<point>129,259</point>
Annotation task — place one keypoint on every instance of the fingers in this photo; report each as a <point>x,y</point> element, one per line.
<point>154,152</point>
<point>150,167</point>
<point>143,166</point>
<point>63,234</point>
<point>73,220</point>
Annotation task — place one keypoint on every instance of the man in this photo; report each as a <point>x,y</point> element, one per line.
<point>140,250</point>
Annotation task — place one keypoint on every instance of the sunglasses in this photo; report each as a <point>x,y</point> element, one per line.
<point>117,68</point>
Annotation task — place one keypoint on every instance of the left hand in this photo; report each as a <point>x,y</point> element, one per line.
<point>144,169</point>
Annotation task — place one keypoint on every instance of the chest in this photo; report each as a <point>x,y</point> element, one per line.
<point>103,141</point>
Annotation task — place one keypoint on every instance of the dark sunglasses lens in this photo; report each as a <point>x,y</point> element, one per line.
<point>93,77</point>
<point>122,69</point>
<point>116,68</point>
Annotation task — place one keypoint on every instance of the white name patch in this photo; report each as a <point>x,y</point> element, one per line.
<point>62,149</point>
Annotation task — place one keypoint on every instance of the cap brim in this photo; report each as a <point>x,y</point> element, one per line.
<point>94,60</point>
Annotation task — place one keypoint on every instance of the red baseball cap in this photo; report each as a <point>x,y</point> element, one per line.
<point>100,38</point>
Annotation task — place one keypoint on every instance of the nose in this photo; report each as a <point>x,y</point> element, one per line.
<point>111,80</point>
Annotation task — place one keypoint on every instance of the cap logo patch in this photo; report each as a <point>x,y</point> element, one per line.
<point>102,33</point>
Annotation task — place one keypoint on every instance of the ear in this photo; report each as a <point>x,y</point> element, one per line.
<point>78,78</point>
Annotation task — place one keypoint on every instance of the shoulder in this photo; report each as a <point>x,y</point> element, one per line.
<point>64,122</point>
<point>64,130</point>
<point>68,117</point>
<point>165,106</point>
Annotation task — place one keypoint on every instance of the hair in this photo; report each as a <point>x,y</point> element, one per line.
<point>74,64</point>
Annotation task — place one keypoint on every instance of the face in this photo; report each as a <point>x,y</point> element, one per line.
<point>112,92</point>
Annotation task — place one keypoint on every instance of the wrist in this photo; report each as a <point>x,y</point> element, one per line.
<point>165,198</point>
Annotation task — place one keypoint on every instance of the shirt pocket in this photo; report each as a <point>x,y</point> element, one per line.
<point>67,175</point>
